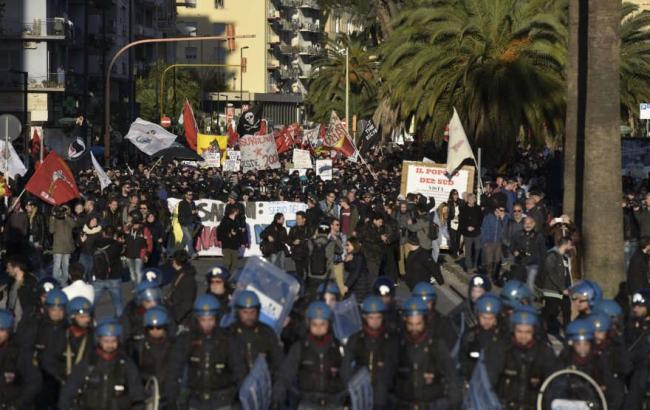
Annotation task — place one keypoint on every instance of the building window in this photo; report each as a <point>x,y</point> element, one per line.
<point>219,55</point>
<point>219,29</point>
<point>337,25</point>
<point>191,53</point>
<point>218,4</point>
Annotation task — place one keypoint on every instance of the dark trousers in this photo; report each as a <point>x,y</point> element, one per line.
<point>454,241</point>
<point>302,266</point>
<point>552,309</point>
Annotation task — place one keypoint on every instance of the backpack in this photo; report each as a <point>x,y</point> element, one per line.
<point>318,261</point>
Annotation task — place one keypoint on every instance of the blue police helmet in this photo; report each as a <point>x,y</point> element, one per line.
<point>319,310</point>
<point>6,320</point>
<point>609,307</point>
<point>600,321</point>
<point>425,290</point>
<point>152,275</point>
<point>109,327</point>
<point>218,272</point>
<point>414,306</point>
<point>580,329</point>
<point>156,316</point>
<point>329,287</point>
<point>56,298</point>
<point>153,294</point>
<point>587,289</point>
<point>480,281</point>
<point>515,293</point>
<point>488,303</point>
<point>47,283</point>
<point>79,306</point>
<point>524,315</point>
<point>373,304</point>
<point>383,286</point>
<point>247,299</point>
<point>641,297</point>
<point>206,305</point>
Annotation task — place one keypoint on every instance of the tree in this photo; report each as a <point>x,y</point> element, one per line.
<point>148,92</point>
<point>327,84</point>
<point>499,63</point>
<point>635,62</point>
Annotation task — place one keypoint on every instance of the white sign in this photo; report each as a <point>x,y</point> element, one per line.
<point>644,111</point>
<point>258,216</point>
<point>258,152</point>
<point>431,180</point>
<point>233,154</point>
<point>231,165</point>
<point>212,159</point>
<point>301,159</point>
<point>324,169</point>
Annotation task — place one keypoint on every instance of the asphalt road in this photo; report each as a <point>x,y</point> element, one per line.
<point>448,295</point>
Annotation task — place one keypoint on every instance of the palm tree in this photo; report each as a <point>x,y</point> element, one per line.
<point>499,63</point>
<point>327,82</point>
<point>635,62</point>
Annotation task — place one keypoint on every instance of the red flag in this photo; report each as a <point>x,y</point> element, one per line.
<point>36,144</point>
<point>337,137</point>
<point>53,181</point>
<point>283,140</point>
<point>189,123</point>
<point>233,137</point>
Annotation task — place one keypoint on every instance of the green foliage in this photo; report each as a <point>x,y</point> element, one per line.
<point>148,92</point>
<point>635,60</point>
<point>499,62</point>
<point>327,85</point>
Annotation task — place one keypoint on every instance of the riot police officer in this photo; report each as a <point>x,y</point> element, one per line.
<point>486,331</point>
<point>252,337</point>
<point>518,368</point>
<point>385,288</point>
<point>638,346</point>
<point>21,380</point>
<point>78,342</point>
<point>463,316</point>
<point>213,373</point>
<point>329,292</point>
<point>27,325</point>
<point>374,347</point>
<point>106,379</point>
<point>218,285</point>
<point>425,378</point>
<point>612,309</point>
<point>316,363</point>
<point>439,324</point>
<point>580,353</point>
<point>584,295</point>
<point>153,353</point>
<point>147,295</point>
<point>513,295</point>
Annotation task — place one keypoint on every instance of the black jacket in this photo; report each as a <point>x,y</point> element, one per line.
<point>358,277</point>
<point>303,234</point>
<point>470,216</point>
<point>37,229</point>
<point>630,225</point>
<point>229,234</point>
<point>637,272</point>
<point>106,259</point>
<point>280,237</point>
<point>185,215</point>
<point>554,273</point>
<point>180,295</point>
<point>420,267</point>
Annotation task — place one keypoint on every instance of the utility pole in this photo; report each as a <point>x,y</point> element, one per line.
<point>347,90</point>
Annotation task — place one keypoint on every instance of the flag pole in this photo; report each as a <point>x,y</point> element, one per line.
<point>480,180</point>
<point>156,163</point>
<point>360,156</point>
<point>16,201</point>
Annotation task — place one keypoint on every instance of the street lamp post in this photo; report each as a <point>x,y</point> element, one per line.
<point>241,74</point>
<point>347,90</point>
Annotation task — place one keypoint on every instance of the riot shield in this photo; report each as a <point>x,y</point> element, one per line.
<point>347,319</point>
<point>570,390</point>
<point>255,392</point>
<point>276,289</point>
<point>360,389</point>
<point>481,395</point>
<point>152,394</point>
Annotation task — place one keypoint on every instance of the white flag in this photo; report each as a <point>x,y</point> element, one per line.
<point>104,180</point>
<point>458,147</point>
<point>149,137</point>
<point>10,163</point>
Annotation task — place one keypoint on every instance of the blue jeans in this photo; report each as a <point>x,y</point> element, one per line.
<point>87,262</point>
<point>135,269</point>
<point>187,243</point>
<point>629,248</point>
<point>277,259</point>
<point>531,274</point>
<point>114,289</point>
<point>61,261</point>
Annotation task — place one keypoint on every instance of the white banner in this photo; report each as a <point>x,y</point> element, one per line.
<point>324,169</point>
<point>258,152</point>
<point>431,180</point>
<point>231,165</point>
<point>10,163</point>
<point>149,137</point>
<point>212,159</point>
<point>233,154</point>
<point>301,159</point>
<point>258,216</point>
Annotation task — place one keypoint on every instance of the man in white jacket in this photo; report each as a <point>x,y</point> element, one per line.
<point>78,287</point>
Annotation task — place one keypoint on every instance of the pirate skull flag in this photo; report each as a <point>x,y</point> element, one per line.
<point>250,121</point>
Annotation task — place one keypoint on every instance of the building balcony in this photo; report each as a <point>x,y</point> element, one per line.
<point>311,51</point>
<point>274,39</point>
<point>282,25</point>
<point>309,4</point>
<point>309,27</point>
<point>285,49</point>
<point>57,28</point>
<point>272,64</point>
<point>273,15</point>
<point>51,82</point>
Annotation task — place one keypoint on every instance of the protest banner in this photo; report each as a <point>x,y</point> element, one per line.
<point>431,180</point>
<point>231,165</point>
<point>233,154</point>
<point>301,159</point>
<point>324,169</point>
<point>258,152</point>
<point>212,159</point>
<point>258,216</point>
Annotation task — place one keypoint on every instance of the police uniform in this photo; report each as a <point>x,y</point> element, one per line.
<point>260,339</point>
<point>376,350</point>
<point>102,380</point>
<point>426,378</point>
<point>21,380</point>
<point>637,331</point>
<point>133,315</point>
<point>437,323</point>
<point>213,373</point>
<point>463,316</point>
<point>315,362</point>
<point>581,330</point>
<point>224,298</point>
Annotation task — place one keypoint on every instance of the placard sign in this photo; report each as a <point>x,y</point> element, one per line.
<point>301,159</point>
<point>431,180</point>
<point>324,169</point>
<point>258,152</point>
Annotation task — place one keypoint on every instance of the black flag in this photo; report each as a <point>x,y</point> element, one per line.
<point>250,121</point>
<point>369,137</point>
<point>79,156</point>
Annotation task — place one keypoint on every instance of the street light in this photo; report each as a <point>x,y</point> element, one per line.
<point>241,74</point>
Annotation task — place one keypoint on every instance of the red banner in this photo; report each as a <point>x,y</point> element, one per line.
<point>189,123</point>
<point>53,181</point>
<point>283,140</point>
